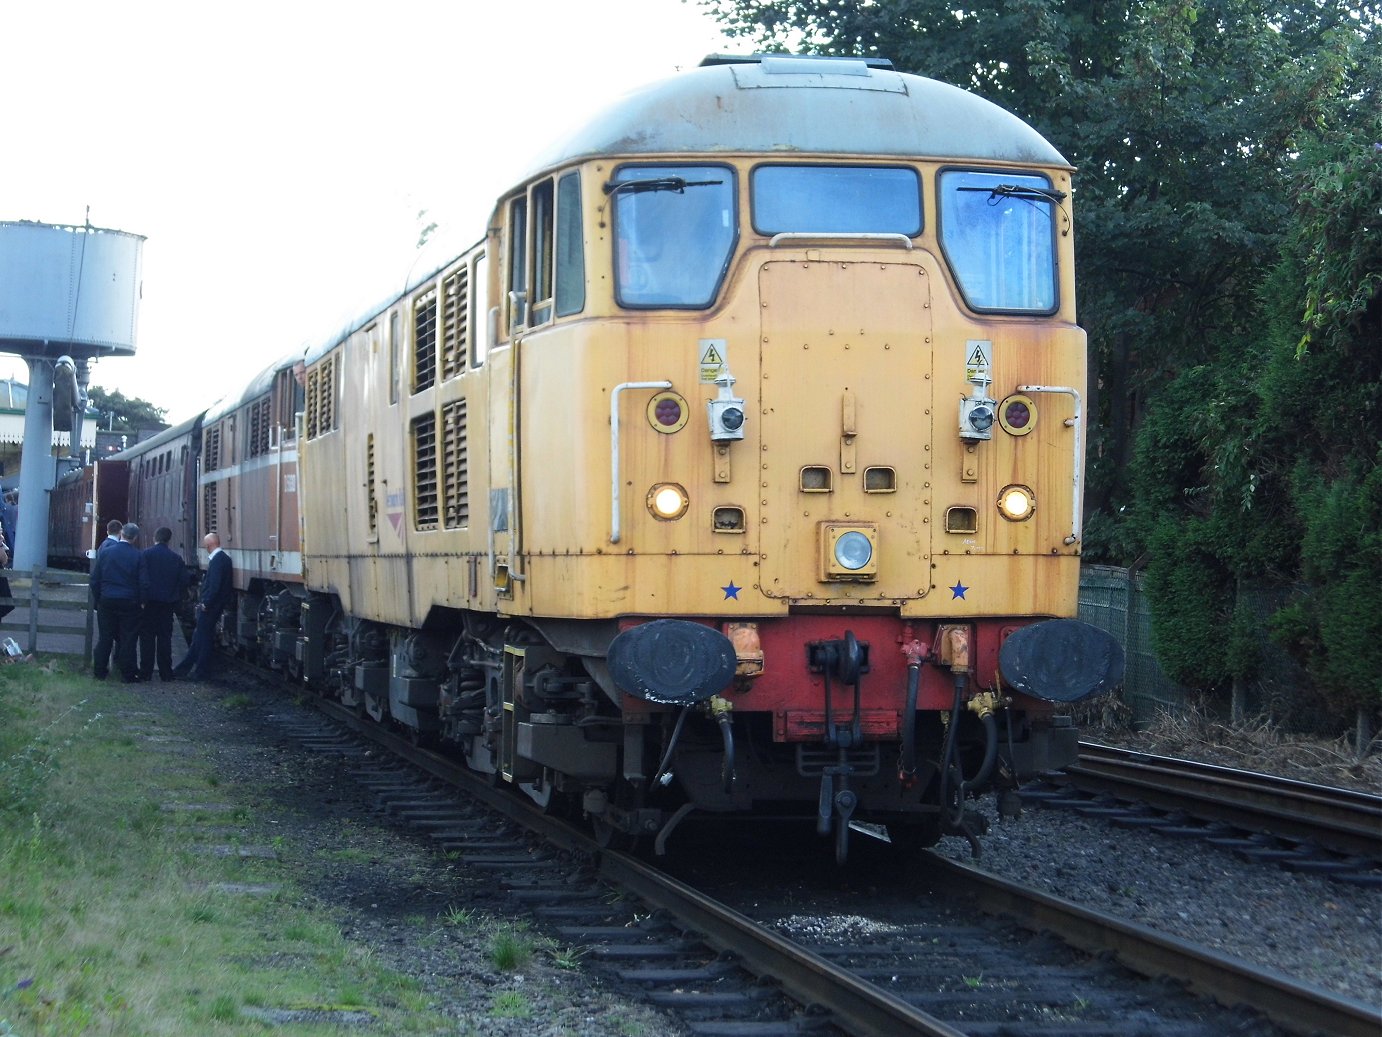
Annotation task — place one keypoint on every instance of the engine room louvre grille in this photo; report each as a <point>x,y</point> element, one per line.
<point>321,398</point>
<point>424,341</point>
<point>425,472</point>
<point>259,428</point>
<point>326,388</point>
<point>312,419</point>
<point>369,486</point>
<point>212,451</point>
<point>209,508</point>
<point>455,464</point>
<point>455,343</point>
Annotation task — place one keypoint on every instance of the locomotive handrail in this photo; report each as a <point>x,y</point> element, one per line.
<point>865,237</point>
<point>1077,469</point>
<point>614,530</point>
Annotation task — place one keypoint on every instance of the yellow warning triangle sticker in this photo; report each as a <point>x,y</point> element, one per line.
<point>711,356</point>
<point>977,358</point>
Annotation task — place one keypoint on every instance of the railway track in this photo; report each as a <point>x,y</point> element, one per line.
<point>710,962</point>
<point>1312,828</point>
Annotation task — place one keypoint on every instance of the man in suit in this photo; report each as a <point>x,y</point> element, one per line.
<point>115,590</point>
<point>113,529</point>
<point>218,591</point>
<point>162,579</point>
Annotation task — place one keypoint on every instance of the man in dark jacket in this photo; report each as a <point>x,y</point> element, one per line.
<point>218,591</point>
<point>162,581</point>
<point>115,590</point>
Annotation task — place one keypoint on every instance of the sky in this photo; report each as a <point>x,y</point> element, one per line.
<point>276,155</point>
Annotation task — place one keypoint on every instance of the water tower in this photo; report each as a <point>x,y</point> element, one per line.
<point>67,296</point>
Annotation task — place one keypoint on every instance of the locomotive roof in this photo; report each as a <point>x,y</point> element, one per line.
<point>803,105</point>
<point>157,440</point>
<point>782,104</point>
<point>254,388</point>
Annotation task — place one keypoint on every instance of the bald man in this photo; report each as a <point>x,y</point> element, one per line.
<point>217,592</point>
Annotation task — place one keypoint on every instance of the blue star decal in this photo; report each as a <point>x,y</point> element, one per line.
<point>731,591</point>
<point>958,591</point>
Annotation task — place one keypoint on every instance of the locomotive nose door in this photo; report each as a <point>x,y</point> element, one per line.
<point>846,426</point>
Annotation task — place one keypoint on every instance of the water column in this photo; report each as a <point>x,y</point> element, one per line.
<point>68,294</point>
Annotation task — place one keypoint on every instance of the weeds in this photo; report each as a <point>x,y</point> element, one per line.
<point>459,916</point>
<point>511,1004</point>
<point>568,957</point>
<point>509,951</point>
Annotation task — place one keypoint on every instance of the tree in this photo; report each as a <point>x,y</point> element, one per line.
<point>1229,197</point>
<point>120,413</point>
<point>1182,118</point>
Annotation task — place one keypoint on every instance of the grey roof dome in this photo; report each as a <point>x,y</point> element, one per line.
<point>807,106</point>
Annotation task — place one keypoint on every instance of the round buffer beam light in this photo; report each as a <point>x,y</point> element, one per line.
<point>668,501</point>
<point>1016,503</point>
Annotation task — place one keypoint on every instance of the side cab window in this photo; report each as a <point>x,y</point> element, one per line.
<point>546,253</point>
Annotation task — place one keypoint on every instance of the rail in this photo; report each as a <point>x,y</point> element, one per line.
<point>1344,820</point>
<point>38,598</point>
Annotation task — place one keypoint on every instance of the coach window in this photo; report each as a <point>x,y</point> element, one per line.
<point>287,402</point>
<point>517,309</point>
<point>479,315</point>
<point>998,233</point>
<point>674,232</point>
<point>395,346</point>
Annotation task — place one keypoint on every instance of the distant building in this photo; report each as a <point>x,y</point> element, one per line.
<point>13,397</point>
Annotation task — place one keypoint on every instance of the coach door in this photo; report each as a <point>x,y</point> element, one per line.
<point>846,426</point>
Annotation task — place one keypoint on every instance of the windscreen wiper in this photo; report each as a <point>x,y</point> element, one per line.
<point>1031,194</point>
<point>662,183</point>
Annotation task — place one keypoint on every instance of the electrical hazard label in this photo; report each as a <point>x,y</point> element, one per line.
<point>979,360</point>
<point>714,359</point>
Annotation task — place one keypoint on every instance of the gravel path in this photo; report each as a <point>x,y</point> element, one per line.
<point>387,888</point>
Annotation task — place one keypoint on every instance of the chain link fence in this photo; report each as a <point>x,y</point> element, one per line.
<point>1112,599</point>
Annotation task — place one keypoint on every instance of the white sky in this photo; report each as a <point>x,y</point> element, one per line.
<point>276,153</point>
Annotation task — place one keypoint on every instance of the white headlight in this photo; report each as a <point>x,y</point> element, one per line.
<point>1016,503</point>
<point>853,551</point>
<point>668,501</point>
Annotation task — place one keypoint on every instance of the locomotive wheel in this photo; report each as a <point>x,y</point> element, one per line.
<point>608,836</point>
<point>418,738</point>
<point>543,792</point>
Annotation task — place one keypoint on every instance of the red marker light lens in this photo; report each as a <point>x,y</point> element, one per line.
<point>1018,415</point>
<point>668,411</point>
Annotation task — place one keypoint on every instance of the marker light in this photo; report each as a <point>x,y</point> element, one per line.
<point>1017,414</point>
<point>1016,503</point>
<point>668,501</point>
<point>667,412</point>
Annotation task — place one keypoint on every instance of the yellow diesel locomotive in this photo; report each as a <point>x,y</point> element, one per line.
<point>736,470</point>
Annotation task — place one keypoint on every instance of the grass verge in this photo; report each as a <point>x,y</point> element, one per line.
<point>113,917</point>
